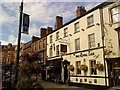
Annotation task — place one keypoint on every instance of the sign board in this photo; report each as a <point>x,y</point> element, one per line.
<point>63,48</point>
<point>25,23</point>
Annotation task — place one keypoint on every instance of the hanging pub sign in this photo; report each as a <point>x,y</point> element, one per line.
<point>63,48</point>
<point>25,23</point>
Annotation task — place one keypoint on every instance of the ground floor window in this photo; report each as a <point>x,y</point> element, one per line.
<point>78,63</point>
<point>92,69</point>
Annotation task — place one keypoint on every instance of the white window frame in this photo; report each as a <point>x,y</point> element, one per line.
<point>65,32</point>
<point>115,15</point>
<point>92,67</point>
<point>77,44</point>
<point>57,35</point>
<point>51,39</point>
<point>90,20</point>
<point>90,41</point>
<point>76,27</point>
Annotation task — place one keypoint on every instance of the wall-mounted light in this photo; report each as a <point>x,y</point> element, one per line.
<point>82,29</point>
<point>97,24</point>
<point>70,34</point>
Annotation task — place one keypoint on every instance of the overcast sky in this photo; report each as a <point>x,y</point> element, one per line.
<point>42,14</point>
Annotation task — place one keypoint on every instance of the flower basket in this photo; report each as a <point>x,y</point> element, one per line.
<point>84,68</point>
<point>70,68</point>
<point>99,67</point>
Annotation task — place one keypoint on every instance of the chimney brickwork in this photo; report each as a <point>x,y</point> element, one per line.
<point>59,22</point>
<point>43,32</point>
<point>80,11</point>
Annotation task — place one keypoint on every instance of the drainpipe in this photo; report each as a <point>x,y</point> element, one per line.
<point>103,35</point>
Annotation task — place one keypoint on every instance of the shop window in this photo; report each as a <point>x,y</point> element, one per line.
<point>78,63</point>
<point>115,14</point>
<point>93,71</point>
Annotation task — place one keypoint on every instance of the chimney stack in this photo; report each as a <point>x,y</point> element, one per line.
<point>59,22</point>
<point>80,11</point>
<point>43,32</point>
<point>49,29</point>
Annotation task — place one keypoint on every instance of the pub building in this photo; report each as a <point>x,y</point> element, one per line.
<point>90,44</point>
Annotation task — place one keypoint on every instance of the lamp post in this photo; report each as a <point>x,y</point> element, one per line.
<point>19,38</point>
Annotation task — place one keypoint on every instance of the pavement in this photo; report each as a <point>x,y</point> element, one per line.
<point>51,86</point>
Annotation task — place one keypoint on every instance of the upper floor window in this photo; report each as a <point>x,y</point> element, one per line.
<point>115,13</point>
<point>91,40</point>
<point>44,43</point>
<point>90,20</point>
<point>78,63</point>
<point>51,39</point>
<point>40,45</point>
<point>57,50</point>
<point>57,35</point>
<point>92,69</point>
<point>65,32</point>
<point>77,44</point>
<point>77,27</point>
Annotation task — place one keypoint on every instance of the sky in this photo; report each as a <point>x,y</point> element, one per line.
<point>42,14</point>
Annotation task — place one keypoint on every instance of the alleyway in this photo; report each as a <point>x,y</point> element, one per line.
<point>52,85</point>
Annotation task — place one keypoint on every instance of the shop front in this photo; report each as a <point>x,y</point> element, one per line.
<point>114,71</point>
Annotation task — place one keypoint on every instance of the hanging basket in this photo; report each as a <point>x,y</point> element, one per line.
<point>70,68</point>
<point>99,67</point>
<point>84,68</point>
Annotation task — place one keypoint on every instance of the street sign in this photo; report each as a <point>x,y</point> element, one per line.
<point>25,23</point>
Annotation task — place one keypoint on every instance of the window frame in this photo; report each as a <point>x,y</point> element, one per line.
<point>77,44</point>
<point>88,21</point>
<point>76,27</point>
<point>57,35</point>
<point>89,42</point>
<point>78,71</point>
<point>50,52</point>
<point>92,67</point>
<point>111,14</point>
<point>57,50</point>
<point>65,32</point>
<point>51,36</point>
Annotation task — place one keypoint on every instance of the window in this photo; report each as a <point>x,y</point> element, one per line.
<point>57,50</point>
<point>57,35</point>
<point>77,44</point>
<point>44,43</point>
<point>51,39</point>
<point>65,32</point>
<point>40,45</point>
<point>92,69</point>
<point>8,53</point>
<point>115,13</point>
<point>78,71</point>
<point>90,20</point>
<point>91,39</point>
<point>51,51</point>
<point>77,27</point>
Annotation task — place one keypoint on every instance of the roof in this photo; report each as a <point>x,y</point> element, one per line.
<point>98,6</point>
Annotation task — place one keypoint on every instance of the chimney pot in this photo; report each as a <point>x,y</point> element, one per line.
<point>80,11</point>
<point>58,22</point>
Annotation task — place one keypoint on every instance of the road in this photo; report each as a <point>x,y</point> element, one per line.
<point>51,85</point>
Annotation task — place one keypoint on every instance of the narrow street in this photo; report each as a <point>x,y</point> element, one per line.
<point>48,85</point>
